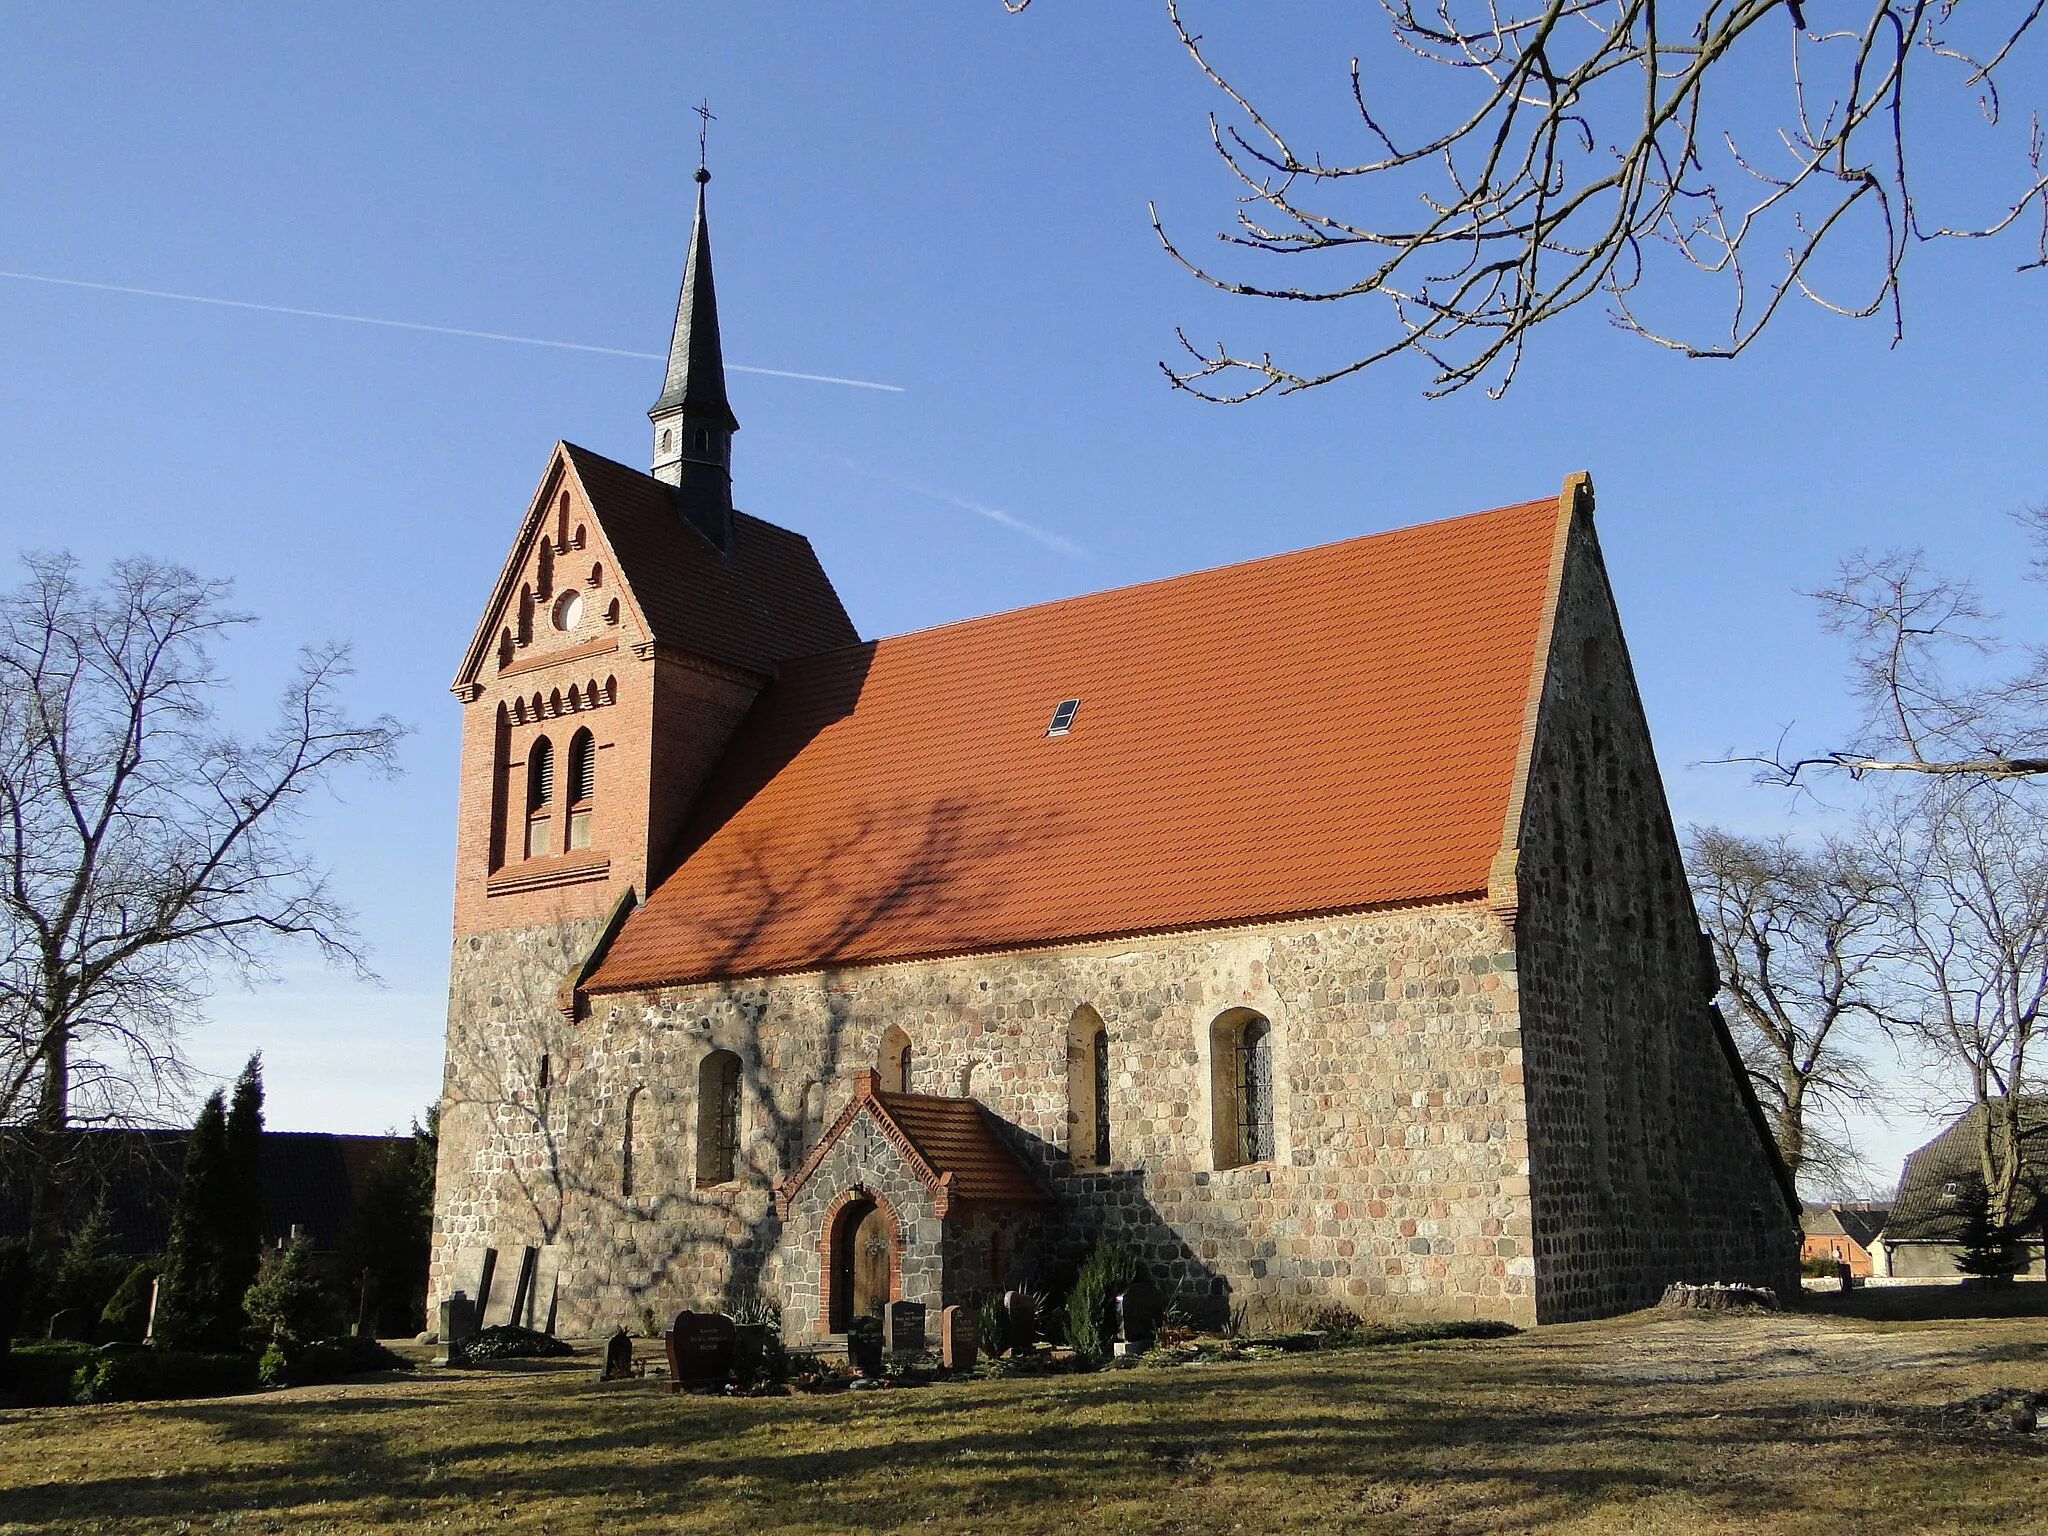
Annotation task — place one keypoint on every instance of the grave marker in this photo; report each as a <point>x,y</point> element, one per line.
<point>618,1357</point>
<point>864,1346</point>
<point>959,1338</point>
<point>700,1349</point>
<point>903,1328</point>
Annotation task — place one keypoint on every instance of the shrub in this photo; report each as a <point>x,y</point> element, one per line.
<point>1820,1266</point>
<point>1091,1306</point>
<point>287,1303</point>
<point>42,1373</point>
<point>309,1364</point>
<point>994,1322</point>
<point>508,1341</point>
<point>138,1375</point>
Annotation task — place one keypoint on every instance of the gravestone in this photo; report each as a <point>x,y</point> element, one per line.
<point>512,1274</point>
<point>71,1323</point>
<point>474,1270</point>
<point>959,1338</point>
<point>1138,1311</point>
<point>700,1349</point>
<point>156,1290</point>
<point>458,1327</point>
<point>1021,1314</point>
<point>618,1357</point>
<point>903,1328</point>
<point>864,1346</point>
<point>539,1312</point>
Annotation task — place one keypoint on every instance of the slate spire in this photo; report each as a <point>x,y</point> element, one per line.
<point>693,421</point>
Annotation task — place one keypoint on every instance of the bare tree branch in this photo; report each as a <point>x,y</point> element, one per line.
<point>1603,149</point>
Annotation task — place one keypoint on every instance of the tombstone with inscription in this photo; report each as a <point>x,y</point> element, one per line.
<point>458,1327</point>
<point>1138,1311</point>
<point>903,1328</point>
<point>618,1357</point>
<point>1021,1313</point>
<point>700,1350</point>
<point>959,1338</point>
<point>864,1345</point>
<point>475,1268</point>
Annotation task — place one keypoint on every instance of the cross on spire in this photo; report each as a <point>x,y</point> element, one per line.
<point>703,110</point>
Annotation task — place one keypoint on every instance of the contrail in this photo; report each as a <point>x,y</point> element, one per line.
<point>1045,536</point>
<point>438,330</point>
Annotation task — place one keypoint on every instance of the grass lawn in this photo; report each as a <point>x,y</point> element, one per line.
<point>1789,1422</point>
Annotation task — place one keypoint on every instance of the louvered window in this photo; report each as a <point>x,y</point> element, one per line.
<point>540,791</point>
<point>582,787</point>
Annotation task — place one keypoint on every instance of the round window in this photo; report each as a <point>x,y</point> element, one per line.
<point>569,610</point>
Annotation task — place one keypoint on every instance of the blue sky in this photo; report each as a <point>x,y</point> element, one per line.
<point>934,195</point>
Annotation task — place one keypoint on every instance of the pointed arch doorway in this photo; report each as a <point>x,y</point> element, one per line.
<point>860,1261</point>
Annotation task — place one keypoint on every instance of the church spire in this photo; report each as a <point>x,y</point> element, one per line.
<point>693,421</point>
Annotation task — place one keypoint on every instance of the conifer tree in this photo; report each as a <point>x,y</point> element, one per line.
<point>1986,1250</point>
<point>195,1310</point>
<point>242,1212</point>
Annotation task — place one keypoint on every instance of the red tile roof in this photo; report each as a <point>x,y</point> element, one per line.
<point>951,1144</point>
<point>1316,732</point>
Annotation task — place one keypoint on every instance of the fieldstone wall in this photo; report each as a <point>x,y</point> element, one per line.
<point>1648,1166</point>
<point>1400,1181</point>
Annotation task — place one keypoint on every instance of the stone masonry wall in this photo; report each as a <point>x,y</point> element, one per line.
<point>864,1156</point>
<point>1647,1167</point>
<point>1400,1181</point>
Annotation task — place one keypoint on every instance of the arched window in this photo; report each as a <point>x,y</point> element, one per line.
<point>582,787</point>
<point>544,573</point>
<point>1087,1089</point>
<point>1241,1088</point>
<point>667,439</point>
<point>524,633</point>
<point>893,1061</point>
<point>718,1118</point>
<point>540,793</point>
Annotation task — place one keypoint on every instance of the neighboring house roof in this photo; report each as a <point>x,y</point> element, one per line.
<point>759,603</point>
<point>1925,1211</point>
<point>1317,732</point>
<point>1859,1223</point>
<point>951,1144</point>
<point>309,1178</point>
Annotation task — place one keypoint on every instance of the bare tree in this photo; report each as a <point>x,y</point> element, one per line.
<point>1967,865</point>
<point>1907,627</point>
<point>1798,939</point>
<point>144,849</point>
<point>1575,149</point>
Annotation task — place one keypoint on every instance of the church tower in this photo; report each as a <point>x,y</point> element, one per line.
<point>693,422</point>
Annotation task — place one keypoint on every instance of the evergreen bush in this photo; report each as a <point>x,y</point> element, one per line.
<point>138,1375</point>
<point>125,1317</point>
<point>216,1237</point>
<point>288,1305</point>
<point>388,1235</point>
<point>1987,1252</point>
<point>1109,1269</point>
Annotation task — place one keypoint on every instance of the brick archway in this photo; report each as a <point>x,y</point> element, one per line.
<point>843,1218</point>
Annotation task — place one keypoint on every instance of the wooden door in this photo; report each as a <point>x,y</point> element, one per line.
<point>871,1265</point>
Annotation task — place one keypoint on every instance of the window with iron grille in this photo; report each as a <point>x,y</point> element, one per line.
<point>718,1118</point>
<point>1099,1050</point>
<point>1255,1092</point>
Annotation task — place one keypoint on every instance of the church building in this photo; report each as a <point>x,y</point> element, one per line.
<point>1314,925</point>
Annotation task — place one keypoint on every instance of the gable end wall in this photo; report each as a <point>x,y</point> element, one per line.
<point>1645,1164</point>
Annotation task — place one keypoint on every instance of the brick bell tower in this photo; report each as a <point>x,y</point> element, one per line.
<point>633,624</point>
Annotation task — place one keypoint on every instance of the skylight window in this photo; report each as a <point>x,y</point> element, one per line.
<point>1063,717</point>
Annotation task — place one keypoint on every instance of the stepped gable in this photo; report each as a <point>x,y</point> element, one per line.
<point>764,601</point>
<point>951,1144</point>
<point>1317,732</point>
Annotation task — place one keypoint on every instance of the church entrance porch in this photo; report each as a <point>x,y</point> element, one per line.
<point>907,1197</point>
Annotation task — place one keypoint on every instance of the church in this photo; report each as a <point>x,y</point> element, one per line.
<point>1315,925</point>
